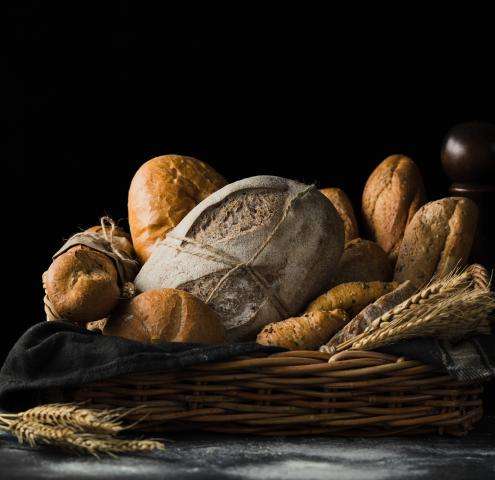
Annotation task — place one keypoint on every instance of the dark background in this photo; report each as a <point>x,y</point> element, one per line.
<point>92,90</point>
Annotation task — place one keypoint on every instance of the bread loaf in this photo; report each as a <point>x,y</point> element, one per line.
<point>88,275</point>
<point>344,208</point>
<point>256,251</point>
<point>162,192</point>
<point>366,316</point>
<point>351,297</point>
<point>306,332</point>
<point>166,315</point>
<point>391,197</point>
<point>363,261</point>
<point>438,240</point>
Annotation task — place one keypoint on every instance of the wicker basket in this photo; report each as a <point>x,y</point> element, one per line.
<point>353,392</point>
<point>362,393</point>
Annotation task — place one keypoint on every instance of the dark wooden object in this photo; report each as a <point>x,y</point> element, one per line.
<point>468,158</point>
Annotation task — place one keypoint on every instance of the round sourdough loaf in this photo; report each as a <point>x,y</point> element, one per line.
<point>392,195</point>
<point>162,192</point>
<point>438,240</point>
<point>257,251</point>
<point>166,315</point>
<point>344,208</point>
<point>363,261</point>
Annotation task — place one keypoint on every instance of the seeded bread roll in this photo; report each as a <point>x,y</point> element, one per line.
<point>344,208</point>
<point>438,239</point>
<point>363,261</point>
<point>166,315</point>
<point>391,197</point>
<point>306,332</point>
<point>162,192</point>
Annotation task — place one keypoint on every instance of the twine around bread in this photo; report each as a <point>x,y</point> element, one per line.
<point>208,252</point>
<point>103,242</point>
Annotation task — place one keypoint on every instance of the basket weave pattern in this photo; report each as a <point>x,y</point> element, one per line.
<point>296,393</point>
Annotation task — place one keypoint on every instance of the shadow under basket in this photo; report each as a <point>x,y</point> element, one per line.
<point>357,393</point>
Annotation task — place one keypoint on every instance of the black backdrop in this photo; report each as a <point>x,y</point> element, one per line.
<point>95,89</point>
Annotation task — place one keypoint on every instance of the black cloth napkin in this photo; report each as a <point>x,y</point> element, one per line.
<point>59,355</point>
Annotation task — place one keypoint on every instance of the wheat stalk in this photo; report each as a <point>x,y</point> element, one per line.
<point>73,427</point>
<point>449,307</point>
<point>74,416</point>
<point>34,434</point>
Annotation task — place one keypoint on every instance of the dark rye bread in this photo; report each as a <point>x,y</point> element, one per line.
<point>392,195</point>
<point>294,234</point>
<point>438,240</point>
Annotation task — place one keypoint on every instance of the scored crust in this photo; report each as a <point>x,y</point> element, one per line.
<point>438,240</point>
<point>162,192</point>
<point>391,197</point>
<point>166,315</point>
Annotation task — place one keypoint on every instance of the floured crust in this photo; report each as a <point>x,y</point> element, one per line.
<point>391,197</point>
<point>438,239</point>
<point>166,315</point>
<point>344,208</point>
<point>288,235</point>
<point>162,192</point>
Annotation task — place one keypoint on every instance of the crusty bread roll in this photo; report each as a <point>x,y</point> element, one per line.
<point>363,261</point>
<point>344,208</point>
<point>438,239</point>
<point>166,315</point>
<point>392,195</point>
<point>162,192</point>
<point>83,284</point>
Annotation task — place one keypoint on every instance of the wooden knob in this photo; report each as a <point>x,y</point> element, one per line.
<point>468,159</point>
<point>468,155</point>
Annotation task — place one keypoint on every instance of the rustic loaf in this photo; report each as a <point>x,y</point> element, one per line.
<point>363,261</point>
<point>351,297</point>
<point>162,192</point>
<point>256,251</point>
<point>306,332</point>
<point>366,316</point>
<point>392,195</point>
<point>438,240</point>
<point>166,315</point>
<point>344,208</point>
<point>88,275</point>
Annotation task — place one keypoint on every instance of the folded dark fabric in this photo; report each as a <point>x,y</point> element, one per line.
<point>59,355</point>
<point>469,361</point>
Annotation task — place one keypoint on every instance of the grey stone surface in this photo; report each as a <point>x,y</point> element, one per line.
<point>218,457</point>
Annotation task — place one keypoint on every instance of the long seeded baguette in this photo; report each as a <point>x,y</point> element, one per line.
<point>364,318</point>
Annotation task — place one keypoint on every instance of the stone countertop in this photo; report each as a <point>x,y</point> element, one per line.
<point>201,456</point>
